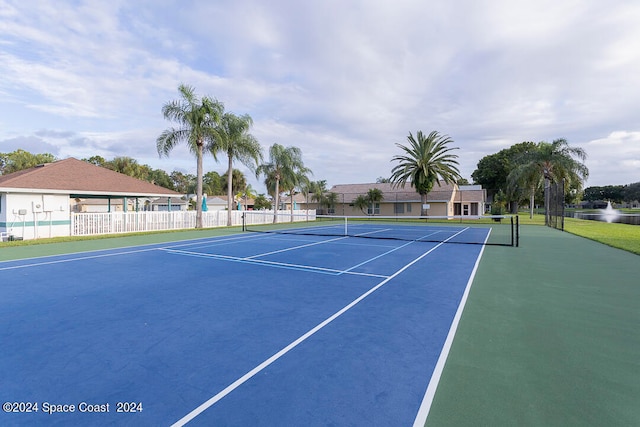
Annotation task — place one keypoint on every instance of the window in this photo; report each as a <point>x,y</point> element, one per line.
<point>408,207</point>
<point>465,209</point>
<point>374,209</point>
<point>398,208</point>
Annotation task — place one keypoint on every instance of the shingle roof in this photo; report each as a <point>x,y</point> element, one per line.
<point>297,198</point>
<point>393,193</point>
<point>175,200</point>
<point>75,176</point>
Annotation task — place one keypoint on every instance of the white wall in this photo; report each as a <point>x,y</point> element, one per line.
<point>33,216</point>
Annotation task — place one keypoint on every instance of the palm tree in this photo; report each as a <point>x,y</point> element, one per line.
<point>233,138</point>
<point>295,179</point>
<point>238,180</point>
<point>525,176</point>
<point>197,119</point>
<point>425,161</point>
<point>316,189</point>
<point>330,201</point>
<point>361,202</point>
<point>247,193</point>
<point>553,162</point>
<point>284,164</point>
<point>322,197</point>
<point>368,201</point>
<point>269,181</point>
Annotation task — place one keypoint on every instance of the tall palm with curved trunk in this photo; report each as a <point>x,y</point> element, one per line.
<point>284,164</point>
<point>553,162</point>
<point>233,139</point>
<point>426,160</point>
<point>197,119</point>
<point>525,176</point>
<point>297,179</point>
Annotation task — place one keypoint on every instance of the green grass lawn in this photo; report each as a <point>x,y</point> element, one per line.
<point>621,236</point>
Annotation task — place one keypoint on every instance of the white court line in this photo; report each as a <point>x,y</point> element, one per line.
<point>348,270</point>
<point>237,383</point>
<point>353,242</point>
<point>425,406</point>
<point>295,247</point>
<point>112,252</point>
<point>395,249</point>
<point>248,260</point>
<point>60,261</point>
<point>434,232</point>
<point>216,242</point>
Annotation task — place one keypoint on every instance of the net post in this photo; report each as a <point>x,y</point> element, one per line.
<point>517,231</point>
<point>244,221</point>
<point>512,233</point>
<point>562,204</point>
<point>346,230</point>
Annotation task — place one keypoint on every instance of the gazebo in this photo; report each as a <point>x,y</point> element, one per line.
<point>37,202</point>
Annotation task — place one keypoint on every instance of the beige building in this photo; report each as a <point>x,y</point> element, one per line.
<point>444,200</point>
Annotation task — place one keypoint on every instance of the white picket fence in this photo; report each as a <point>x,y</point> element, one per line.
<point>88,224</point>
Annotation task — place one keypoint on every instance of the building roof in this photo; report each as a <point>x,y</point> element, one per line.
<point>79,178</point>
<point>217,200</point>
<point>222,199</point>
<point>392,193</point>
<point>297,198</point>
<point>175,200</point>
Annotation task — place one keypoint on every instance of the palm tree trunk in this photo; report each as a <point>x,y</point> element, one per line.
<point>532,200</point>
<point>229,190</point>
<point>423,199</point>
<point>547,219</point>
<point>199,186</point>
<point>275,201</point>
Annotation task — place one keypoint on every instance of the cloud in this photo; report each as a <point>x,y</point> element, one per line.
<point>54,134</point>
<point>32,144</point>
<point>344,82</point>
<point>614,159</point>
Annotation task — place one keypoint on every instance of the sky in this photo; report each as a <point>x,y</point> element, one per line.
<point>343,80</point>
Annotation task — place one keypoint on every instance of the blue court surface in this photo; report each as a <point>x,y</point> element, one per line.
<point>248,329</point>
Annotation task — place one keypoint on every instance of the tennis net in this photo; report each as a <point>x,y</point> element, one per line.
<point>500,230</point>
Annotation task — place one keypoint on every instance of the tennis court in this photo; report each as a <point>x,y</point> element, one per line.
<point>246,329</point>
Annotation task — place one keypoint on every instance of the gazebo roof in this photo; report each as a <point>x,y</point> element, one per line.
<point>79,179</point>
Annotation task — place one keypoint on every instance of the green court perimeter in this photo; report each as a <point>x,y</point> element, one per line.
<point>549,337</point>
